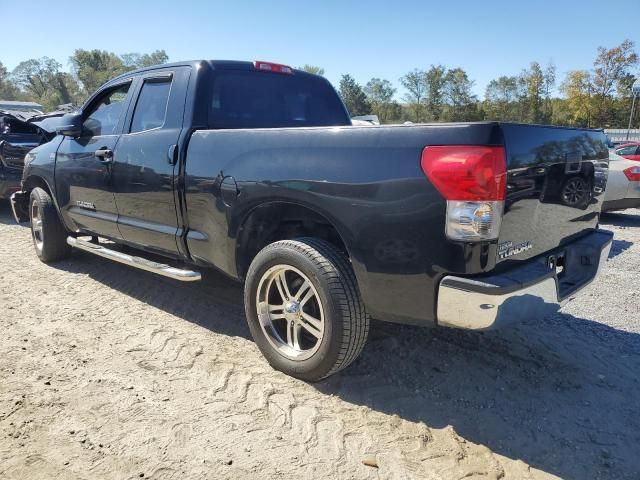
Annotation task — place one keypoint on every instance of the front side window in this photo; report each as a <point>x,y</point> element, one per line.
<point>105,114</point>
<point>151,107</point>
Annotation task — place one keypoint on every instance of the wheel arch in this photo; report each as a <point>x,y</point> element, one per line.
<point>37,181</point>
<point>284,220</point>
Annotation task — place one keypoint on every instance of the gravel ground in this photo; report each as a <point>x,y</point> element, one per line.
<point>112,373</point>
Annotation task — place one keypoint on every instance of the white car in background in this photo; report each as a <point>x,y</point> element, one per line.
<point>623,184</point>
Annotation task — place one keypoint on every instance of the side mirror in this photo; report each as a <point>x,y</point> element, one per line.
<point>70,125</point>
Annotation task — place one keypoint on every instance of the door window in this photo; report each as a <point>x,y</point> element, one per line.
<point>105,114</point>
<point>626,151</point>
<point>151,107</point>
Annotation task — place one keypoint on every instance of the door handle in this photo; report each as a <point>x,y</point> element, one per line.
<point>105,155</point>
<point>172,154</point>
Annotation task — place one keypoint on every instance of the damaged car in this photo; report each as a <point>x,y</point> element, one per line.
<point>21,131</point>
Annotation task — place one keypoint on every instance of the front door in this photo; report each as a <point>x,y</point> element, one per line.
<point>84,165</point>
<point>146,157</point>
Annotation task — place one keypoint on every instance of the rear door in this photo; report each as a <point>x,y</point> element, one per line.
<point>555,183</point>
<point>84,165</point>
<point>146,157</point>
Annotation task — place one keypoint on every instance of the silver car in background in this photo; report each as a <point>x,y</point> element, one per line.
<point>623,184</point>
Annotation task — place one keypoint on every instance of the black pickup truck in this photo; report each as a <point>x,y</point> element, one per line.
<point>254,169</point>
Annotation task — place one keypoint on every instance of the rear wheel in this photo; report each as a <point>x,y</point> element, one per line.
<point>304,308</point>
<point>48,233</point>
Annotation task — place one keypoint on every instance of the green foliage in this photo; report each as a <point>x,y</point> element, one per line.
<point>312,69</point>
<point>8,90</point>
<point>41,80</point>
<point>460,103</point>
<point>600,97</point>
<point>502,97</point>
<point>95,67</point>
<point>414,83</point>
<point>132,61</point>
<point>354,97</point>
<point>380,95</point>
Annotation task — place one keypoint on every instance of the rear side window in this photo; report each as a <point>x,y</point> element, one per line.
<point>246,99</point>
<point>151,107</point>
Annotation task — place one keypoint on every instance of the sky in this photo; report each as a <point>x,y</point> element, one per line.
<point>366,39</point>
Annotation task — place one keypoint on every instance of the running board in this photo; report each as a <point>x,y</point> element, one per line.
<point>138,262</point>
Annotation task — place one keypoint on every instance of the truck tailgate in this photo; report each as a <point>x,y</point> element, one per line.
<point>555,184</point>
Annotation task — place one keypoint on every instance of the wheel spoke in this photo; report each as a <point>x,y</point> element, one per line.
<point>306,286</point>
<point>309,295</point>
<point>293,335</point>
<point>312,325</point>
<point>283,288</point>
<point>275,308</point>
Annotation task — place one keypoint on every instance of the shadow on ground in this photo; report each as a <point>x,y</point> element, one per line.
<point>560,394</point>
<point>6,217</point>
<point>620,219</point>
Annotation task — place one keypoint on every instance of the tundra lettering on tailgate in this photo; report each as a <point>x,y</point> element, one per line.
<point>508,249</point>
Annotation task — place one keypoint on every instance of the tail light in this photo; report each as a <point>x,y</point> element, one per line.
<point>632,173</point>
<point>473,181</point>
<point>273,67</point>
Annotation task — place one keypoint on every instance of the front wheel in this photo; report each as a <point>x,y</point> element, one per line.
<point>304,308</point>
<point>48,233</point>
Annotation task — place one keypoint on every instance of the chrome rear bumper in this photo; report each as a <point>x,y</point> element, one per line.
<point>528,291</point>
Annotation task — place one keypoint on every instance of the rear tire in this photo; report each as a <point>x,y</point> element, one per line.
<point>48,233</point>
<point>304,308</point>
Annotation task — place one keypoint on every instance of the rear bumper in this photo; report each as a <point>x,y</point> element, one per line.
<point>527,291</point>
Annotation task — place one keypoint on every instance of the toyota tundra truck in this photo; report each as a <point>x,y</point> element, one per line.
<point>255,169</point>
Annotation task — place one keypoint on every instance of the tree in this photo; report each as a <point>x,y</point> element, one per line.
<point>95,67</point>
<point>533,78</point>
<point>135,60</point>
<point>353,96</point>
<point>312,69</point>
<point>435,80</point>
<point>8,90</point>
<point>502,99</point>
<point>42,80</point>
<point>414,82</point>
<point>380,95</point>
<point>549,83</point>
<point>461,103</point>
<point>610,66</point>
<point>578,88</point>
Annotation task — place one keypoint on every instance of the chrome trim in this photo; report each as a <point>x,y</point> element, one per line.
<point>138,262</point>
<point>465,307</point>
<point>14,208</point>
<point>478,311</point>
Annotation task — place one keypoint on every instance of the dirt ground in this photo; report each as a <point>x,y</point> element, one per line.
<point>111,373</point>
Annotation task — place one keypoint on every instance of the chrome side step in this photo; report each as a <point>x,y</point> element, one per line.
<point>138,262</point>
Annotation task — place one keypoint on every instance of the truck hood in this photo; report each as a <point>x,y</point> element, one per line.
<point>46,122</point>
